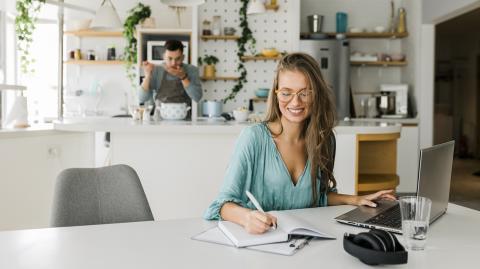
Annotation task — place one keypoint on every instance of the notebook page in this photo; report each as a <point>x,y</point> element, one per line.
<point>294,225</point>
<point>241,238</point>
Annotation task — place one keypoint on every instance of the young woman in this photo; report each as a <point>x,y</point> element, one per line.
<point>286,162</point>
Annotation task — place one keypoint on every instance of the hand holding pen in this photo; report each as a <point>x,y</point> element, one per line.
<point>257,220</point>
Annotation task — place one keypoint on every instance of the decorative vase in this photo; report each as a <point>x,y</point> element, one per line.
<point>209,71</point>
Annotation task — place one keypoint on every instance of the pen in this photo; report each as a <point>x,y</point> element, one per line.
<point>257,205</point>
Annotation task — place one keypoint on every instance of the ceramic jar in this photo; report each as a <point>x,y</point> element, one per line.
<point>174,111</point>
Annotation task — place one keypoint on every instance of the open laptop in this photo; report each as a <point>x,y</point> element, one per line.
<point>434,175</point>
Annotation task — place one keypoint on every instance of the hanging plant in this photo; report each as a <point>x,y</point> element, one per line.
<point>27,15</point>
<point>246,40</point>
<point>136,15</point>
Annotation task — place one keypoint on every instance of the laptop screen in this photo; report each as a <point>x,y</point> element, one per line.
<point>434,175</point>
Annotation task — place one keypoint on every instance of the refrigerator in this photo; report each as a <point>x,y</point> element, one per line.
<point>333,56</point>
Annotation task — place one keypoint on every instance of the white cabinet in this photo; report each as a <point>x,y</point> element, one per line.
<point>407,159</point>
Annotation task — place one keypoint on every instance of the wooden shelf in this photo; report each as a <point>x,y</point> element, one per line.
<point>88,62</point>
<point>219,37</point>
<point>379,63</point>
<point>375,182</point>
<point>370,35</point>
<point>259,99</point>
<point>272,7</point>
<point>219,78</point>
<point>94,33</point>
<point>259,58</point>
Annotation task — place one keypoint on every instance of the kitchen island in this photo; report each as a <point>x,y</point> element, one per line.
<point>181,164</point>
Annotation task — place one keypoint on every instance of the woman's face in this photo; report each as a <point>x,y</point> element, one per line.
<point>294,96</point>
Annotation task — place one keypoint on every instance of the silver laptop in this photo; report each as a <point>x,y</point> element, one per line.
<point>434,175</point>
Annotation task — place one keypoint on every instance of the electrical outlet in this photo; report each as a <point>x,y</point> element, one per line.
<point>53,152</point>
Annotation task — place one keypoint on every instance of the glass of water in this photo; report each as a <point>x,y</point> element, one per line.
<point>415,212</point>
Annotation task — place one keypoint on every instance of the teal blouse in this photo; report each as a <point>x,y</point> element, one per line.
<point>257,166</point>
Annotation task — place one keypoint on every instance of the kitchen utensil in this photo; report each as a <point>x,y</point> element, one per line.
<point>212,108</point>
<point>262,92</point>
<point>174,111</point>
<point>386,103</point>
<point>401,97</point>
<point>315,23</point>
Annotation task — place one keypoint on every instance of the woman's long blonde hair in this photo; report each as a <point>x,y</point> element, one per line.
<point>318,127</point>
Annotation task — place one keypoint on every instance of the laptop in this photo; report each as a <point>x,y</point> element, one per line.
<point>434,175</point>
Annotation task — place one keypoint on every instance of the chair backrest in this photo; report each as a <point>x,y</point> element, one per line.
<point>86,196</point>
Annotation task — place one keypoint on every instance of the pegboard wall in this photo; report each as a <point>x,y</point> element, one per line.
<point>270,29</point>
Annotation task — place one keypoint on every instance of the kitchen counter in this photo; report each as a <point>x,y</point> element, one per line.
<point>185,161</point>
<point>127,125</point>
<point>35,130</point>
<point>403,121</point>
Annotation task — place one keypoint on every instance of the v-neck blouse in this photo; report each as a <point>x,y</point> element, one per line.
<point>257,166</point>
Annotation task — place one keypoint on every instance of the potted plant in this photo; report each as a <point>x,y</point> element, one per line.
<point>135,16</point>
<point>209,68</point>
<point>27,12</point>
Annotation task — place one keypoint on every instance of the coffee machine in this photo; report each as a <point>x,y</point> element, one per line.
<point>399,107</point>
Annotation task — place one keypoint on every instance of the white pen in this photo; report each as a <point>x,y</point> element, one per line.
<point>257,205</point>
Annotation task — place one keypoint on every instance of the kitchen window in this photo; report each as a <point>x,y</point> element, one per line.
<point>43,83</point>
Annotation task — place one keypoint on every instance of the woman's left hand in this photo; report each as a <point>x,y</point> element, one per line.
<point>368,199</point>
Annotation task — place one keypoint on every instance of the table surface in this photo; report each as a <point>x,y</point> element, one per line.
<point>453,242</point>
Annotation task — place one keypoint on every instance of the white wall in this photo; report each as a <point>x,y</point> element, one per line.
<point>435,11</point>
<point>28,173</point>
<point>278,29</point>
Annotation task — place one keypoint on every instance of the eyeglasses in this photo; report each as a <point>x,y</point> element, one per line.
<point>287,96</point>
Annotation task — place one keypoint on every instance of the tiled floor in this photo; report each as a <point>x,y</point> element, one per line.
<point>465,187</point>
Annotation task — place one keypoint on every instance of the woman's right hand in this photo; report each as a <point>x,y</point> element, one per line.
<point>258,222</point>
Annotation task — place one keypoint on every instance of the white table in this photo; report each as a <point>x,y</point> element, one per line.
<point>453,242</point>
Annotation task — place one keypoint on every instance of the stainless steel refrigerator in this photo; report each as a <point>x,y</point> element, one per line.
<point>333,55</point>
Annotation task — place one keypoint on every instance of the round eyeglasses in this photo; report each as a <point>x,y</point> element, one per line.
<point>287,95</point>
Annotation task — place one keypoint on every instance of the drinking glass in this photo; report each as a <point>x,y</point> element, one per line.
<point>415,212</point>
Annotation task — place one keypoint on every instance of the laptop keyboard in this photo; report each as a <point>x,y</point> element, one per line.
<point>389,218</point>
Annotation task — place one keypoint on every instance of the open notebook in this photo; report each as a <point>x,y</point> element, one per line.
<point>287,225</point>
<point>214,235</point>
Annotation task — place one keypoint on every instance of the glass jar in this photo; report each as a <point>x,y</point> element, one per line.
<point>206,28</point>
<point>217,25</point>
<point>91,55</point>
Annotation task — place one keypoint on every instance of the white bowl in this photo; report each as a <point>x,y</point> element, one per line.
<point>356,30</point>
<point>174,111</point>
<point>379,29</point>
<point>240,115</point>
<point>77,25</point>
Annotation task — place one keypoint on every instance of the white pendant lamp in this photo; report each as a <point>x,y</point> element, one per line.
<point>256,7</point>
<point>106,17</point>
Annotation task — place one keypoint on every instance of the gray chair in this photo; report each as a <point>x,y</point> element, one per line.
<point>86,196</point>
